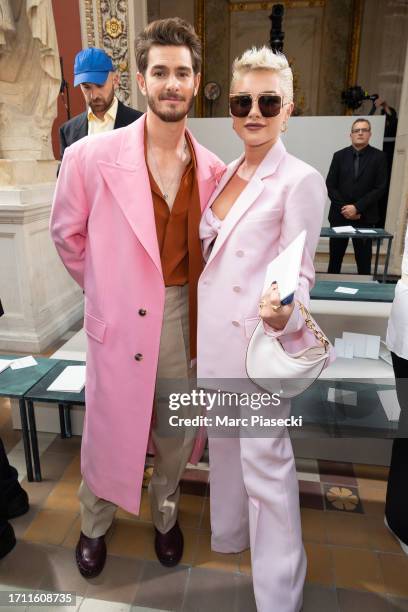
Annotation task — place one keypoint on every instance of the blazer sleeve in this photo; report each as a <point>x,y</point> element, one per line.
<point>69,217</point>
<point>63,142</point>
<point>332,183</point>
<point>380,184</point>
<point>303,210</point>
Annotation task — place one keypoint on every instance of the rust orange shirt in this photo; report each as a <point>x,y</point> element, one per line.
<point>178,238</point>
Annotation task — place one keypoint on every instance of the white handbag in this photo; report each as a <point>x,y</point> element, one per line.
<point>270,367</point>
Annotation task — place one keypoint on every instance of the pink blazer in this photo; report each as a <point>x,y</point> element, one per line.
<point>104,229</point>
<point>284,197</point>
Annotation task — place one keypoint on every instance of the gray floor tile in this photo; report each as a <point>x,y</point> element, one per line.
<point>161,587</point>
<point>118,582</point>
<point>63,574</point>
<point>210,590</point>
<point>244,594</point>
<point>397,604</point>
<point>319,599</point>
<point>97,605</point>
<point>25,565</point>
<point>357,601</point>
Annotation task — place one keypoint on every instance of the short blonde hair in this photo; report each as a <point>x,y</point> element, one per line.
<point>265,59</point>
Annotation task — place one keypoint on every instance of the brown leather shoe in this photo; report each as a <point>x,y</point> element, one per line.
<point>90,554</point>
<point>169,546</point>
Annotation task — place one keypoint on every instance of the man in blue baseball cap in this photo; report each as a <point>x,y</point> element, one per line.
<point>95,73</point>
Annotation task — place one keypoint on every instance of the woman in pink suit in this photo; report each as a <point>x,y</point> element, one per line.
<point>263,201</point>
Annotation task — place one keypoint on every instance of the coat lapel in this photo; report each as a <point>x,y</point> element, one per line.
<point>249,195</point>
<point>128,181</point>
<point>207,170</point>
<point>81,128</point>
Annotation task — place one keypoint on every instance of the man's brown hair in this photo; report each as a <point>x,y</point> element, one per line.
<point>361,120</point>
<point>167,32</point>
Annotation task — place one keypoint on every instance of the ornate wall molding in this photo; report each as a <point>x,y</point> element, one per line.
<point>263,6</point>
<point>107,26</point>
<point>355,39</point>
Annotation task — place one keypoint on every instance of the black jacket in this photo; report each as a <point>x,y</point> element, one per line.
<point>77,127</point>
<point>365,191</point>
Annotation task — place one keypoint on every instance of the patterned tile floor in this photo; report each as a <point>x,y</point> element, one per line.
<point>354,564</point>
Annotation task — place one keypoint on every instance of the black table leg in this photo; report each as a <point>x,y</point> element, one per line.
<point>387,259</point>
<point>67,418</point>
<point>377,255</point>
<point>61,409</point>
<point>26,439</point>
<point>34,441</point>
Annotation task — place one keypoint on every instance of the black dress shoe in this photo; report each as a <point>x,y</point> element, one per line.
<point>169,546</point>
<point>17,504</point>
<point>90,554</point>
<point>7,539</point>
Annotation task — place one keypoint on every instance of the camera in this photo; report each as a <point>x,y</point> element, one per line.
<point>353,97</point>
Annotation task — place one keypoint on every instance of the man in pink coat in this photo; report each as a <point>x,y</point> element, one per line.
<point>125,223</point>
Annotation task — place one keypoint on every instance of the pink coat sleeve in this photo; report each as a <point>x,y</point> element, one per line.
<point>303,209</point>
<point>69,217</point>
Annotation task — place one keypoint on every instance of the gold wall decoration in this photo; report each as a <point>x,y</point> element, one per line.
<point>89,20</point>
<point>107,26</point>
<point>264,6</point>
<point>354,45</point>
<point>355,39</point>
<point>199,26</point>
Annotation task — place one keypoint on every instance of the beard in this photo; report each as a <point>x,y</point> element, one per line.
<point>101,105</point>
<point>170,116</point>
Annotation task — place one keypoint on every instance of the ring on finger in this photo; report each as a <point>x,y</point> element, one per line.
<point>276,308</point>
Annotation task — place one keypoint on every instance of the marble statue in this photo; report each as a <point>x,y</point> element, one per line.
<point>30,78</point>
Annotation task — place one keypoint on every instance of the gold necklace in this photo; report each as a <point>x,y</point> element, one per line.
<point>165,192</point>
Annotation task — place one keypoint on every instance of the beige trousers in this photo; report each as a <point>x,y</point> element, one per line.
<point>172,451</point>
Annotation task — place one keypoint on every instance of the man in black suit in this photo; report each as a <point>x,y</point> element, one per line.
<point>356,182</point>
<point>95,74</point>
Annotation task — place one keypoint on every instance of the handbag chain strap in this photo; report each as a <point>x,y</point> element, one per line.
<point>310,324</point>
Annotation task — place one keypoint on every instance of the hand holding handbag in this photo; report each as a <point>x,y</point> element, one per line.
<point>270,367</point>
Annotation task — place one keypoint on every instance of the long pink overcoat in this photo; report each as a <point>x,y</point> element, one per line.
<point>103,226</point>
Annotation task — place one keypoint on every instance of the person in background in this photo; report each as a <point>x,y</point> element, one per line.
<point>356,182</point>
<point>390,132</point>
<point>13,498</point>
<point>396,506</point>
<point>95,74</point>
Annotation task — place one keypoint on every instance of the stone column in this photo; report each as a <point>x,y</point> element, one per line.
<point>40,300</point>
<point>397,213</point>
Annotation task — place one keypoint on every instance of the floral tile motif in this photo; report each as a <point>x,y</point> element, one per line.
<point>342,498</point>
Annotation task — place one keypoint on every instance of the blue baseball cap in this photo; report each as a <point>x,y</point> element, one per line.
<point>92,65</point>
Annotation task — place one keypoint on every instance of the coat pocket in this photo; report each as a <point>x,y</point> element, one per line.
<point>95,328</point>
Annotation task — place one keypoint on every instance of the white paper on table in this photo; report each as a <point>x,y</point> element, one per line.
<point>343,348</point>
<point>4,364</point>
<point>364,345</point>
<point>344,229</point>
<point>285,268</point>
<point>23,362</point>
<point>385,354</point>
<point>366,231</point>
<point>349,290</point>
<point>348,350</point>
<point>389,401</point>
<point>71,380</point>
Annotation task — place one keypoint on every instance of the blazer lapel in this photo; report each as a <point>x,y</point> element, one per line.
<point>128,181</point>
<point>81,128</point>
<point>120,120</point>
<point>249,195</point>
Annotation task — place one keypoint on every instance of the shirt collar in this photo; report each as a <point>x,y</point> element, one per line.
<point>110,113</point>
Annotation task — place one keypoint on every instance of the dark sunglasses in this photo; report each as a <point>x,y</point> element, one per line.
<point>269,104</point>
